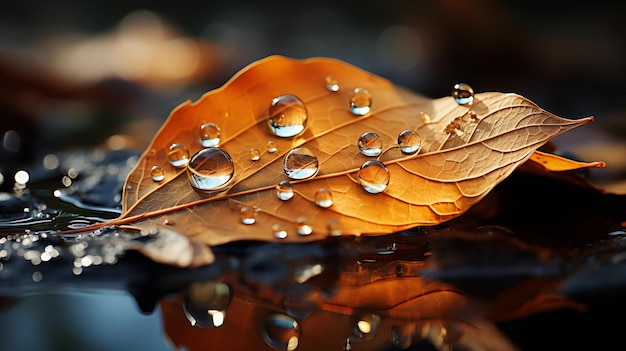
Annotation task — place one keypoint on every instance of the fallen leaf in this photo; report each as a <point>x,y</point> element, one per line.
<point>465,151</point>
<point>556,163</point>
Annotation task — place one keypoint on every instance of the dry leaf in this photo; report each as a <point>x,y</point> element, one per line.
<point>465,151</point>
<point>556,163</point>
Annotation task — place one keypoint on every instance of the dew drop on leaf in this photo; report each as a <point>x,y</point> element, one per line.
<point>367,324</point>
<point>425,117</point>
<point>463,94</point>
<point>300,163</point>
<point>304,226</point>
<point>281,332</point>
<point>157,173</point>
<point>361,102</point>
<point>247,215</point>
<point>370,144</point>
<point>210,169</point>
<point>324,198</point>
<point>287,116</point>
<point>332,84</point>
<point>284,191</point>
<point>374,176</point>
<point>409,142</point>
<point>210,134</point>
<point>255,154</point>
<point>279,231</point>
<point>271,147</point>
<point>178,155</point>
<point>333,228</point>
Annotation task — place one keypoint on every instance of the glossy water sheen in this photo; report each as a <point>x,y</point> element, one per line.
<point>281,332</point>
<point>370,144</point>
<point>331,84</point>
<point>157,173</point>
<point>210,169</point>
<point>409,142</point>
<point>178,155</point>
<point>284,191</point>
<point>374,176</point>
<point>300,163</point>
<point>361,102</point>
<point>324,198</point>
<point>210,134</point>
<point>247,215</point>
<point>287,116</point>
<point>463,94</point>
<point>255,154</point>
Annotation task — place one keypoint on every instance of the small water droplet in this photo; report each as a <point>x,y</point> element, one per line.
<point>424,117</point>
<point>304,226</point>
<point>361,102</point>
<point>284,191</point>
<point>205,303</point>
<point>157,173</point>
<point>463,94</point>
<point>210,134</point>
<point>333,228</point>
<point>210,169</point>
<point>279,231</point>
<point>409,142</point>
<point>271,147</point>
<point>300,163</point>
<point>331,84</point>
<point>21,177</point>
<point>178,155</point>
<point>287,116</point>
<point>281,332</point>
<point>374,176</point>
<point>367,324</point>
<point>255,154</point>
<point>247,215</point>
<point>370,144</point>
<point>324,198</point>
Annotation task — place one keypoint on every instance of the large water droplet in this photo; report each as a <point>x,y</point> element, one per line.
<point>332,84</point>
<point>157,173</point>
<point>374,176</point>
<point>205,303</point>
<point>409,142</point>
<point>463,94</point>
<point>361,102</point>
<point>284,191</point>
<point>287,116</point>
<point>247,215</point>
<point>370,144</point>
<point>304,226</point>
<point>281,332</point>
<point>300,163</point>
<point>210,169</point>
<point>324,198</point>
<point>255,154</point>
<point>279,231</point>
<point>271,147</point>
<point>210,134</point>
<point>178,155</point>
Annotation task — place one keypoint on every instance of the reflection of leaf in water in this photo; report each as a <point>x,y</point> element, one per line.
<point>465,150</point>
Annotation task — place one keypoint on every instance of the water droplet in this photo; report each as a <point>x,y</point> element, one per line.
<point>463,94</point>
<point>409,142</point>
<point>304,226</point>
<point>271,147</point>
<point>332,84</point>
<point>324,198</point>
<point>279,231</point>
<point>300,163</point>
<point>370,144</point>
<point>367,324</point>
<point>210,134</point>
<point>284,190</point>
<point>157,173</point>
<point>374,176</point>
<point>21,177</point>
<point>210,169</point>
<point>178,155</point>
<point>361,102</point>
<point>424,117</point>
<point>37,276</point>
<point>205,303</point>
<point>255,154</point>
<point>247,215</point>
<point>287,116</point>
<point>281,332</point>
<point>333,228</point>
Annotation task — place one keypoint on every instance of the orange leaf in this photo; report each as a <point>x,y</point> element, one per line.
<point>465,151</point>
<point>556,163</point>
